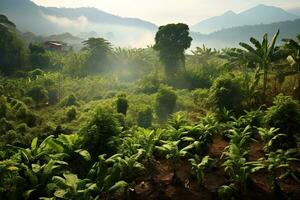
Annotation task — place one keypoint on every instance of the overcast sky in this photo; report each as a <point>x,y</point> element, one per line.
<point>166,11</point>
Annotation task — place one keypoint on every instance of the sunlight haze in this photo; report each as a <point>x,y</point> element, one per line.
<point>166,11</point>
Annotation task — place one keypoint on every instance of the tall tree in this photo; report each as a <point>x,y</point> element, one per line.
<point>12,51</point>
<point>171,41</point>
<point>99,49</point>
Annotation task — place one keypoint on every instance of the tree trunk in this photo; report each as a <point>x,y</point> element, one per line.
<point>265,83</point>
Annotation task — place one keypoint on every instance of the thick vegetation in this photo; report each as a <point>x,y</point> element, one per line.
<point>153,123</point>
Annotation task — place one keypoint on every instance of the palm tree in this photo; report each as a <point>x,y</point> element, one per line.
<point>262,55</point>
<point>202,55</point>
<point>100,49</point>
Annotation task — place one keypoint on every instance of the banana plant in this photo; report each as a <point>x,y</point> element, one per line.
<point>277,163</point>
<point>235,157</point>
<point>177,120</point>
<point>240,137</point>
<point>172,151</point>
<point>35,152</point>
<point>261,54</point>
<point>200,166</point>
<point>37,176</point>
<point>227,192</point>
<point>109,174</point>
<point>69,145</point>
<point>236,165</point>
<point>271,138</point>
<point>71,187</point>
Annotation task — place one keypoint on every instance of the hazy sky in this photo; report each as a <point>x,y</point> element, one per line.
<point>166,11</point>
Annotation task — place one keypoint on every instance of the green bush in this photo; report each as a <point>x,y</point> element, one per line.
<point>145,117</point>
<point>38,94</point>
<point>122,104</point>
<point>53,96</point>
<point>165,102</point>
<point>227,93</point>
<point>101,127</point>
<point>4,106</point>
<point>71,113</point>
<point>191,80</point>
<point>149,84</point>
<point>285,115</point>
<point>200,97</point>
<point>70,100</point>
<point>36,72</point>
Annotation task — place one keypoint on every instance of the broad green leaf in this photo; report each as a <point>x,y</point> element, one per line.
<point>84,153</point>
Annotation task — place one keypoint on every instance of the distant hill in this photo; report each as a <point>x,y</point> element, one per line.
<point>30,17</point>
<point>260,14</point>
<point>232,36</point>
<point>295,11</point>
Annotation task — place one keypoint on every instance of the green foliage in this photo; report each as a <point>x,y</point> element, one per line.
<point>279,164</point>
<point>227,93</point>
<point>171,41</point>
<point>39,94</point>
<point>149,84</point>
<point>38,56</point>
<point>285,115</point>
<point>99,49</point>
<point>165,102</point>
<point>122,104</point>
<point>12,50</point>
<point>76,64</point>
<point>70,100</point>
<point>71,113</point>
<point>145,117</point>
<point>200,166</point>
<point>101,126</point>
<point>227,192</point>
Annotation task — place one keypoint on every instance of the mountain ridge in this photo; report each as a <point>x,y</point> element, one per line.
<point>260,14</point>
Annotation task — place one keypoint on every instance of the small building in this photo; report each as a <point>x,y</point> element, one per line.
<point>56,46</point>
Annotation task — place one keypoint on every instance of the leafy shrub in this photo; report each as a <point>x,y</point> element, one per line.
<point>53,96</point>
<point>227,93</point>
<point>5,125</point>
<point>149,84</point>
<point>38,94</point>
<point>122,104</point>
<point>165,102</point>
<point>285,115</point>
<point>36,72</point>
<point>190,79</point>
<point>70,100</point>
<point>100,128</point>
<point>22,128</point>
<point>4,106</point>
<point>145,117</point>
<point>71,113</point>
<point>200,97</point>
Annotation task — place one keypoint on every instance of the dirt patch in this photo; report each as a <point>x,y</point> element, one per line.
<point>217,147</point>
<point>256,151</point>
<point>162,186</point>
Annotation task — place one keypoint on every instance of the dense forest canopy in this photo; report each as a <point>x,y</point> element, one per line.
<point>99,121</point>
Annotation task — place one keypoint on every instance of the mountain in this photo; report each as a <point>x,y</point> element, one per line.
<point>40,20</point>
<point>232,36</point>
<point>295,11</point>
<point>260,14</point>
